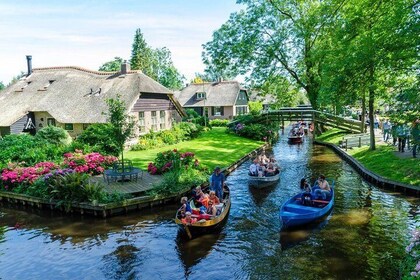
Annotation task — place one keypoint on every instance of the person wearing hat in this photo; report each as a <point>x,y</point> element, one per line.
<point>217,181</point>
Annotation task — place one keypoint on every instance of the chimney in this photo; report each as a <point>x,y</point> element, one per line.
<point>29,62</point>
<point>125,67</point>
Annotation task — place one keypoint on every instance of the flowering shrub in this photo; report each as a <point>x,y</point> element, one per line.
<point>93,163</point>
<point>412,264</point>
<point>14,174</point>
<point>170,160</point>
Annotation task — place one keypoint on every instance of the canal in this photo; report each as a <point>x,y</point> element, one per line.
<point>363,237</point>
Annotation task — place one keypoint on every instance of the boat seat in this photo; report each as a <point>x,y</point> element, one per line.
<point>300,207</point>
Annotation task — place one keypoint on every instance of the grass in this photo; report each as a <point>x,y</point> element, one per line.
<point>332,136</point>
<point>382,161</point>
<point>212,148</point>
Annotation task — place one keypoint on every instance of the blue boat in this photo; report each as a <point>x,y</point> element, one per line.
<point>294,213</point>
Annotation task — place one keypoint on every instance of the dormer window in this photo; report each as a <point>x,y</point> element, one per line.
<point>201,95</point>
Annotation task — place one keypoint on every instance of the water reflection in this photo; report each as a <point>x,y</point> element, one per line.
<point>363,238</point>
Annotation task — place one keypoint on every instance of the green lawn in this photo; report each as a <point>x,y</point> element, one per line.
<point>212,148</point>
<point>382,161</point>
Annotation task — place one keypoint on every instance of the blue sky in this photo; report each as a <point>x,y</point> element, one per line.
<point>89,33</point>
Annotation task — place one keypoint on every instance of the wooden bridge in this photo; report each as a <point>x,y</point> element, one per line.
<point>308,114</point>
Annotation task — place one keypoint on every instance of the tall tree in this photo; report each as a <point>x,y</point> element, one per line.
<point>166,72</point>
<point>274,38</point>
<point>142,57</point>
<point>113,65</point>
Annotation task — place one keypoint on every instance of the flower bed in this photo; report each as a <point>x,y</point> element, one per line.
<point>171,160</point>
<point>411,266</point>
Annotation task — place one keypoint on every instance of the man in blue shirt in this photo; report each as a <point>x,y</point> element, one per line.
<point>217,181</point>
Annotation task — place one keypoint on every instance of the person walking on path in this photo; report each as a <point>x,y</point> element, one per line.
<point>394,133</point>
<point>217,181</point>
<point>402,137</point>
<point>387,130</point>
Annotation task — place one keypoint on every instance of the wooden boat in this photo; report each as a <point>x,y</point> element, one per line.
<point>297,139</point>
<point>262,182</point>
<point>204,226</point>
<point>294,213</point>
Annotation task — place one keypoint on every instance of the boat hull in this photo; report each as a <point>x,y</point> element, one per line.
<point>293,213</point>
<point>263,182</point>
<point>295,139</point>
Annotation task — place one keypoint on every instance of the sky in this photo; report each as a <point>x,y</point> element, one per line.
<point>89,33</point>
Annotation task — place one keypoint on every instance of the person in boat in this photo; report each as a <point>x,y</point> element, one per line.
<point>213,198</point>
<point>197,195</point>
<point>185,206</point>
<point>324,190</point>
<point>188,220</point>
<point>275,165</point>
<point>270,170</point>
<point>306,197</point>
<point>217,181</point>
<point>253,168</point>
<point>211,209</point>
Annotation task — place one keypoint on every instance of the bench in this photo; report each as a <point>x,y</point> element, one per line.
<point>355,140</point>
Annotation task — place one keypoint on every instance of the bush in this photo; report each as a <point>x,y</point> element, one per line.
<point>218,123</point>
<point>27,150</point>
<point>97,136</point>
<point>179,132</point>
<point>255,127</point>
<point>54,135</point>
<point>171,160</point>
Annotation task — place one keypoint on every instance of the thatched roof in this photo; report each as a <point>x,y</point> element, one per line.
<point>73,94</point>
<point>222,93</point>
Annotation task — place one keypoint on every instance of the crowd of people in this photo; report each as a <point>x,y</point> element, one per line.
<point>263,166</point>
<point>204,206</point>
<point>403,135</point>
<point>298,129</point>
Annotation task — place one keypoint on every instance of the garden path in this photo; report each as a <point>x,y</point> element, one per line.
<point>144,183</point>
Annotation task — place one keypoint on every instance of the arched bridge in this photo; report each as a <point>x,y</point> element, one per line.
<point>308,114</point>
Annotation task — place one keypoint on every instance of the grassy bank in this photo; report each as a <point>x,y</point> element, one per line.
<point>212,148</point>
<point>382,161</point>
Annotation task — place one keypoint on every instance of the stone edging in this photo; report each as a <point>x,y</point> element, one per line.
<point>111,209</point>
<point>370,176</point>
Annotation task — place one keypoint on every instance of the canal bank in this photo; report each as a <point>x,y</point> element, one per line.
<point>111,209</point>
<point>370,176</point>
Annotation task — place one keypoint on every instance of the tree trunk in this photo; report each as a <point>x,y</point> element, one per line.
<point>363,112</point>
<point>371,109</point>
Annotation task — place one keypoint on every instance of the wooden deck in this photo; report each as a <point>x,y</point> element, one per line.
<point>143,184</point>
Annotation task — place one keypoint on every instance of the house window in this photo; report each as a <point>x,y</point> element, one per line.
<point>241,110</point>
<point>154,118</point>
<point>217,111</point>
<point>162,120</point>
<point>142,126</point>
<point>50,121</point>
<point>68,126</point>
<point>201,95</point>
<point>85,126</point>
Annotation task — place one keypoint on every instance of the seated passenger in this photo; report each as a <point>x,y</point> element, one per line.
<point>197,196</point>
<point>324,190</point>
<point>188,220</point>
<point>306,192</point>
<point>185,206</point>
<point>270,170</point>
<point>204,200</point>
<point>253,168</point>
<point>211,210</point>
<point>213,198</point>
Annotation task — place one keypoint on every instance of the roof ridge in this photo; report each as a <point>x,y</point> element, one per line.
<point>215,82</point>
<point>84,70</point>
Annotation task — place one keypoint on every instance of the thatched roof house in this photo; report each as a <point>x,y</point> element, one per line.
<point>223,99</point>
<point>74,97</point>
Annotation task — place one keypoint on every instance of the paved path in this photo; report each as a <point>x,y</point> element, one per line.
<point>143,184</point>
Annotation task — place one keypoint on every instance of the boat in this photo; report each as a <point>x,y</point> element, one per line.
<point>204,226</point>
<point>294,213</point>
<point>295,139</point>
<point>264,181</point>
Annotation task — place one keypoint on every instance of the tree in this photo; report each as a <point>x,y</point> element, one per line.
<point>113,65</point>
<point>155,63</point>
<point>122,123</point>
<point>255,107</point>
<point>274,38</point>
<point>1,86</point>
<point>142,57</point>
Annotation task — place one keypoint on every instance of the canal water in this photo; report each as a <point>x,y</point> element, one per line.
<point>363,238</point>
